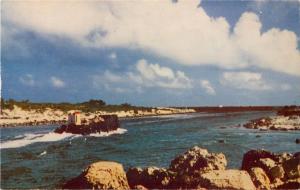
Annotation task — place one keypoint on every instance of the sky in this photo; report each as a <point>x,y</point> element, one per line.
<point>152,53</point>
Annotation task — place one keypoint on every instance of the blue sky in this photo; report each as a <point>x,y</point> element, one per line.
<point>152,53</point>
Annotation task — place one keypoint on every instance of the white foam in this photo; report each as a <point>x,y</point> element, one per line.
<point>34,138</point>
<point>106,134</point>
<point>43,153</point>
<point>28,139</point>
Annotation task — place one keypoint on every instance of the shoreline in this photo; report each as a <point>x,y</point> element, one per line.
<point>18,117</point>
<point>127,117</point>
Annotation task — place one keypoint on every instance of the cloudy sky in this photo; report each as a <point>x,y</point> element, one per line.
<point>152,52</point>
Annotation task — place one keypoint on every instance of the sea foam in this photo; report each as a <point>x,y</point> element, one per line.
<point>27,139</point>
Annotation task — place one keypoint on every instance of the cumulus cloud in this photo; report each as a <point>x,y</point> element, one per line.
<point>149,74</point>
<point>244,80</point>
<point>56,82</point>
<point>181,31</point>
<point>206,85</point>
<point>144,75</point>
<point>27,80</point>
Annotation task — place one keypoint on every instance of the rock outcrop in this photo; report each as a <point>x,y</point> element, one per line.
<point>288,118</point>
<point>259,178</point>
<point>150,177</point>
<point>226,179</point>
<point>100,175</point>
<point>197,159</point>
<point>104,123</point>
<point>198,169</point>
<point>282,170</point>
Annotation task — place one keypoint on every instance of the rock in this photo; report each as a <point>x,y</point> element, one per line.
<point>100,175</point>
<point>252,159</point>
<point>290,184</point>
<point>226,179</point>
<point>266,164</point>
<point>276,172</point>
<point>259,178</point>
<point>276,183</point>
<point>297,141</point>
<point>105,124</point>
<point>150,177</point>
<point>197,159</point>
<point>283,157</point>
<point>134,176</point>
<point>221,141</point>
<point>139,187</point>
<point>292,168</point>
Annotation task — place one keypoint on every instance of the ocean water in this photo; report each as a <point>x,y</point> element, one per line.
<point>34,157</point>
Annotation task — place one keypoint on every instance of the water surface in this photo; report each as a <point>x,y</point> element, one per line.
<point>33,157</point>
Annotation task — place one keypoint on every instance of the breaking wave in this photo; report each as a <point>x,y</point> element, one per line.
<point>27,139</point>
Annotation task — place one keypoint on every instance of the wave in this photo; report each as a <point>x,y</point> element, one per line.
<point>106,134</point>
<point>27,139</point>
<point>34,138</point>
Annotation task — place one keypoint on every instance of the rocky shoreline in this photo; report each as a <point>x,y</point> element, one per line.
<point>287,119</point>
<point>18,117</point>
<point>197,169</point>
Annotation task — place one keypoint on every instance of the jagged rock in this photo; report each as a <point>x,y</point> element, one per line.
<point>100,175</point>
<point>150,177</point>
<point>290,184</point>
<point>276,172</point>
<point>197,159</point>
<point>292,168</point>
<point>280,158</point>
<point>259,178</point>
<point>266,164</point>
<point>252,158</point>
<point>107,123</point>
<point>276,183</point>
<point>226,179</point>
<point>139,187</point>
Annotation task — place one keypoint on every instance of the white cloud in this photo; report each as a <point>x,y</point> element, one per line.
<point>206,85</point>
<point>149,74</point>
<point>144,75</point>
<point>111,77</point>
<point>113,55</point>
<point>244,80</point>
<point>56,82</point>
<point>181,31</point>
<point>27,79</point>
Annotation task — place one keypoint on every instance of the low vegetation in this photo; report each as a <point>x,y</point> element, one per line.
<point>88,106</point>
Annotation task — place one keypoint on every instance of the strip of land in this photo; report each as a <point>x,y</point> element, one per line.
<point>287,118</point>
<point>26,113</point>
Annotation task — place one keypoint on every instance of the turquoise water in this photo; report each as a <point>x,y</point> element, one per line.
<point>33,157</point>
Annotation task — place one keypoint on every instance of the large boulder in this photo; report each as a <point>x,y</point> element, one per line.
<point>226,179</point>
<point>150,177</point>
<point>188,166</point>
<point>277,172</point>
<point>100,175</point>
<point>292,168</point>
<point>259,178</point>
<point>197,160</point>
<point>103,123</point>
<point>253,159</point>
<point>290,184</point>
